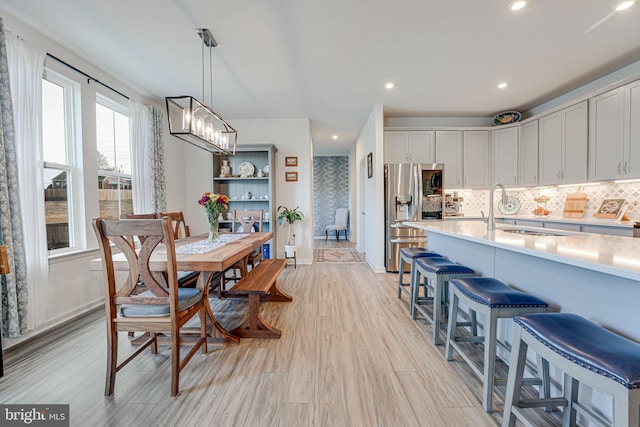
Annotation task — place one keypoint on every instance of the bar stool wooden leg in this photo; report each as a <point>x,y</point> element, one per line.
<point>514,379</point>
<point>489,369</point>
<point>400,275</point>
<point>570,388</point>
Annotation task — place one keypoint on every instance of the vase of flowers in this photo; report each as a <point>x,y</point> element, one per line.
<point>213,206</point>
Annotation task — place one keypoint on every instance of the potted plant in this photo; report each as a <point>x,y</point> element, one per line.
<point>291,215</point>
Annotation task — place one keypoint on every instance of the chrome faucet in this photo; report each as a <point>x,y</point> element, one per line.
<point>491,222</point>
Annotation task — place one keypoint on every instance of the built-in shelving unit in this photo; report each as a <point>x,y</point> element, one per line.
<point>261,188</point>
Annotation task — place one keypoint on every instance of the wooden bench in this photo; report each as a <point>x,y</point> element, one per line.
<point>260,285</point>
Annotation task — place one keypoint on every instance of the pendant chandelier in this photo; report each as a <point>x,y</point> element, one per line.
<point>194,122</point>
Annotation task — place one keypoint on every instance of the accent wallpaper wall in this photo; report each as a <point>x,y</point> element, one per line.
<point>330,191</point>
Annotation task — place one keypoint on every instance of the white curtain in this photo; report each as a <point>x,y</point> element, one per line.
<point>26,66</point>
<point>140,138</point>
<point>147,156</point>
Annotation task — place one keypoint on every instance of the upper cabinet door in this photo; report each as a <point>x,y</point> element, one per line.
<point>505,156</point>
<point>421,146</point>
<point>575,141</point>
<point>395,146</point>
<point>449,152</point>
<point>475,159</point>
<point>632,136</point>
<point>550,146</point>
<point>606,139</point>
<point>528,155</point>
<point>563,146</point>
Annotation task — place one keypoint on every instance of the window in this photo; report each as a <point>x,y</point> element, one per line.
<point>114,158</point>
<point>60,173</point>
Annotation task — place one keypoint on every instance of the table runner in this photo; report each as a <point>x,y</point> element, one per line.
<point>202,246</point>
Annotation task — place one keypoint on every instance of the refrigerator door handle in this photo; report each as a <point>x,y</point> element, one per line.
<point>417,197</point>
<point>399,225</point>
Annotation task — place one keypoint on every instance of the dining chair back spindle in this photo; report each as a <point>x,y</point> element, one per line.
<point>162,308</point>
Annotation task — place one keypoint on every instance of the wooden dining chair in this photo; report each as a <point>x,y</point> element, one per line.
<point>244,221</point>
<point>179,225</point>
<point>154,215</point>
<point>163,307</point>
<point>180,231</point>
<point>185,278</point>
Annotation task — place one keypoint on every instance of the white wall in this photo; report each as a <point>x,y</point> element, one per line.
<point>371,236</point>
<point>293,138</point>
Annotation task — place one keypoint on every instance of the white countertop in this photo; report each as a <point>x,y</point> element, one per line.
<point>615,255</point>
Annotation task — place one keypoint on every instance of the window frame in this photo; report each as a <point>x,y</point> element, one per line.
<point>73,166</point>
<point>108,102</point>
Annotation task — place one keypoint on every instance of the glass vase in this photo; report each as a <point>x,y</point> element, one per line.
<point>213,228</point>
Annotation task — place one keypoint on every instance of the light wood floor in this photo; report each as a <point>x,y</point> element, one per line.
<point>349,356</point>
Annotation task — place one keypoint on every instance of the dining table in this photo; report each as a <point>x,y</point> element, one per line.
<point>197,253</point>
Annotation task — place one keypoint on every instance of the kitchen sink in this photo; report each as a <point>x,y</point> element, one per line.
<point>531,231</point>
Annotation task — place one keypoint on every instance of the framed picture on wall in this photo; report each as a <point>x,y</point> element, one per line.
<point>369,165</point>
<point>291,176</point>
<point>291,161</point>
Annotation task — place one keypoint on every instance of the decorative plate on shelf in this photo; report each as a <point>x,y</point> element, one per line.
<point>506,117</point>
<point>511,207</point>
<point>266,170</point>
<point>246,169</point>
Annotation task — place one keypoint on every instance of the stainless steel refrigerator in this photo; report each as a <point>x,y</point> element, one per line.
<point>413,192</point>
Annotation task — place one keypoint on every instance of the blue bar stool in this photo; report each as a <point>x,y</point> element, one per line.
<point>437,273</point>
<point>587,354</point>
<point>496,300</point>
<point>409,256</point>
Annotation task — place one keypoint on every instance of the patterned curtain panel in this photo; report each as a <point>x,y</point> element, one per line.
<point>157,161</point>
<point>14,285</point>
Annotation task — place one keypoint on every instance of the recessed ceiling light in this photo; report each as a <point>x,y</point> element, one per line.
<point>502,85</point>
<point>517,5</point>
<point>624,5</point>
<point>334,137</point>
<point>389,85</point>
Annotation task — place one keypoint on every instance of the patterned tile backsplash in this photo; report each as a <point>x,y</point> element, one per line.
<point>478,200</point>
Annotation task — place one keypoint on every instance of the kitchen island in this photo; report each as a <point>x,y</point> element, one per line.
<point>594,275</point>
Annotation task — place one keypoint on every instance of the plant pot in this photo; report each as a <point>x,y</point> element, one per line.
<point>289,251</point>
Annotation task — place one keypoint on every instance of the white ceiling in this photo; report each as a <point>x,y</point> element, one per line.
<point>327,60</point>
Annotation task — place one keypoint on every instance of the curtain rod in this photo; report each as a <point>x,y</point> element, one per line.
<point>86,75</point>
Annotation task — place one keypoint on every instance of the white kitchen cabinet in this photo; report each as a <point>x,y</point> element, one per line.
<point>395,147</point>
<point>606,135</point>
<point>505,156</point>
<point>528,155</point>
<point>563,146</point>
<point>475,159</point>
<point>449,151</point>
<point>632,114</point>
<point>614,134</point>
<point>409,146</point>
